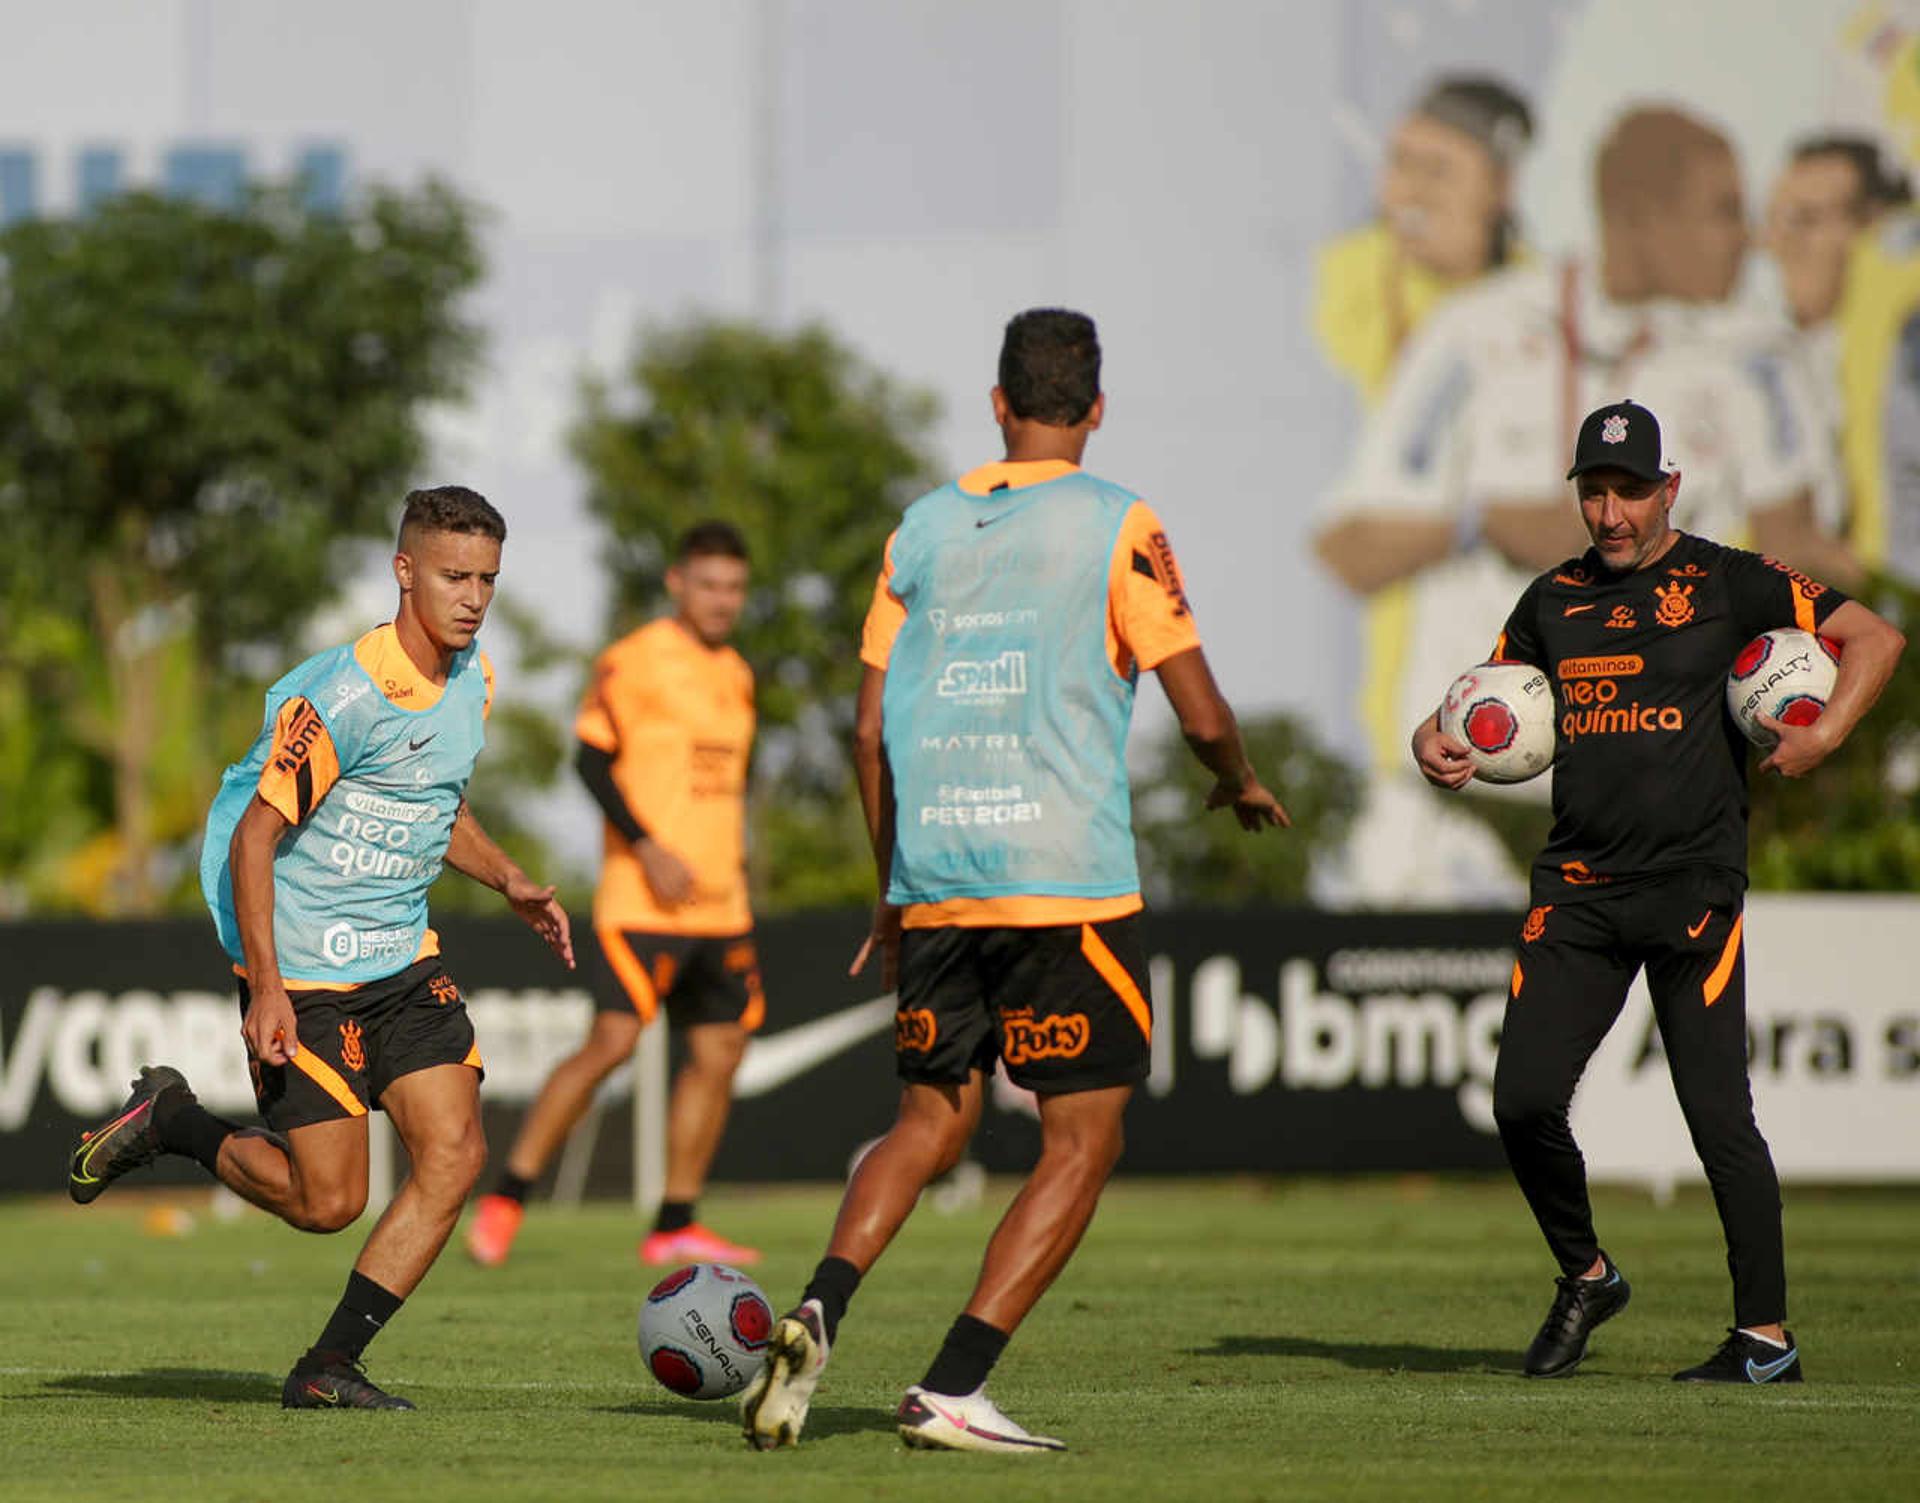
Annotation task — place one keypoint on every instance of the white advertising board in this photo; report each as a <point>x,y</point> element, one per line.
<point>1833,1026</point>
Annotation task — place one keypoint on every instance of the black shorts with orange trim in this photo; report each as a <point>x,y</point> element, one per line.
<point>1065,1007</point>
<point>354,1044</point>
<point>702,979</point>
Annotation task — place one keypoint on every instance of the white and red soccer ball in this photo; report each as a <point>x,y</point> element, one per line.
<point>1786,673</point>
<point>1503,714</point>
<point>704,1330</point>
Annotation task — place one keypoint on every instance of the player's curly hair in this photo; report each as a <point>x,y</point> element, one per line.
<point>1050,366</point>
<point>451,508</point>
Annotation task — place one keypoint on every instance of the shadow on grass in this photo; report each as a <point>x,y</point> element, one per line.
<point>207,1386</point>
<point>822,1419</point>
<point>1386,1357</point>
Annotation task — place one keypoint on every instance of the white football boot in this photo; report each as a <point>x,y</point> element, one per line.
<point>971,1422</point>
<point>773,1409</point>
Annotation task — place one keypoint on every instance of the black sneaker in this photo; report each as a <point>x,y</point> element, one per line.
<point>127,1141</point>
<point>1580,1305</point>
<point>1747,1359</point>
<point>337,1385</point>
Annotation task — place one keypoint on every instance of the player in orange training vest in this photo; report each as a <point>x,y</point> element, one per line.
<point>664,733</point>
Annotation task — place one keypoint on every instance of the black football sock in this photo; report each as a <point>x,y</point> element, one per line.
<point>833,1283</point>
<point>675,1216</point>
<point>186,1127</point>
<point>513,1187</point>
<point>356,1320</point>
<point>967,1356</point>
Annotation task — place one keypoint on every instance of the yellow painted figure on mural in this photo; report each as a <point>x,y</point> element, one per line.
<point>1879,326</point>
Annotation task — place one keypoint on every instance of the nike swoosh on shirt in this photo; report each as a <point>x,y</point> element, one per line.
<point>1693,930</point>
<point>1574,610</point>
<point>773,1060</point>
<point>416,745</point>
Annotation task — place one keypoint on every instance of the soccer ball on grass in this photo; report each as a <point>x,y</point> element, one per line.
<point>704,1330</point>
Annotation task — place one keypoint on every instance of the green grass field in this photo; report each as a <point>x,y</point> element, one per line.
<point>1215,1340</point>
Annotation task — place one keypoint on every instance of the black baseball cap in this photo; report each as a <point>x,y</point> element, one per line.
<point>1623,436</point>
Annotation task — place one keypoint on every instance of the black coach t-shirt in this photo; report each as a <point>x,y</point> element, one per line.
<point>1650,771</point>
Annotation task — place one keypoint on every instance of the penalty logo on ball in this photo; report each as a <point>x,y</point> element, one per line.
<point>1787,674</point>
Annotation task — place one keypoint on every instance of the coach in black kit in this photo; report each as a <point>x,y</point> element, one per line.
<point>1646,866</point>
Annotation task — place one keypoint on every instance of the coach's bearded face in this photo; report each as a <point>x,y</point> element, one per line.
<point>1626,516</point>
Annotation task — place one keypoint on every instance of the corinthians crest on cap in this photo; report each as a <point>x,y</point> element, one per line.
<point>1614,430</point>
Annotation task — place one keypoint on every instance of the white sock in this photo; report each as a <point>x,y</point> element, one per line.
<point>1778,1346</point>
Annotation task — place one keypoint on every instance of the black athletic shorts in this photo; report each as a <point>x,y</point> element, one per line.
<point>1064,1006</point>
<point>354,1044</point>
<point>702,979</point>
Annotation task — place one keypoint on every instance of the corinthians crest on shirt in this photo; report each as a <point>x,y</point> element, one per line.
<point>1676,604</point>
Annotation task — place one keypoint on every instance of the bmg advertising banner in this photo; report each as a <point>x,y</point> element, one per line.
<point>1283,1042</point>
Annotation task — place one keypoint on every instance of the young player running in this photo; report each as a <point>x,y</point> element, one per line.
<point>320,848</point>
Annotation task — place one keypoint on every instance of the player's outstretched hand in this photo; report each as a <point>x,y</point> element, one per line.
<point>272,1035</point>
<point>1801,748</point>
<point>670,878</point>
<point>882,938</point>
<point>1252,804</point>
<point>542,911</point>
<point>1442,760</point>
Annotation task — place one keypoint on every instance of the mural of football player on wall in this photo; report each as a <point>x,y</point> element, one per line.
<point>1445,219</point>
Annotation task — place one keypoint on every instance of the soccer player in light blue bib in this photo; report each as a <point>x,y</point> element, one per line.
<point>1013,616</point>
<point>319,851</point>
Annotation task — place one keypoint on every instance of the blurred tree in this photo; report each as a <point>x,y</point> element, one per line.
<point>196,406</point>
<point>1204,858</point>
<point>1854,824</point>
<point>811,454</point>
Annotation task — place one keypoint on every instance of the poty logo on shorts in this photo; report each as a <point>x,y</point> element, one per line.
<point>1614,430</point>
<point>1052,1037</point>
<point>915,1029</point>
